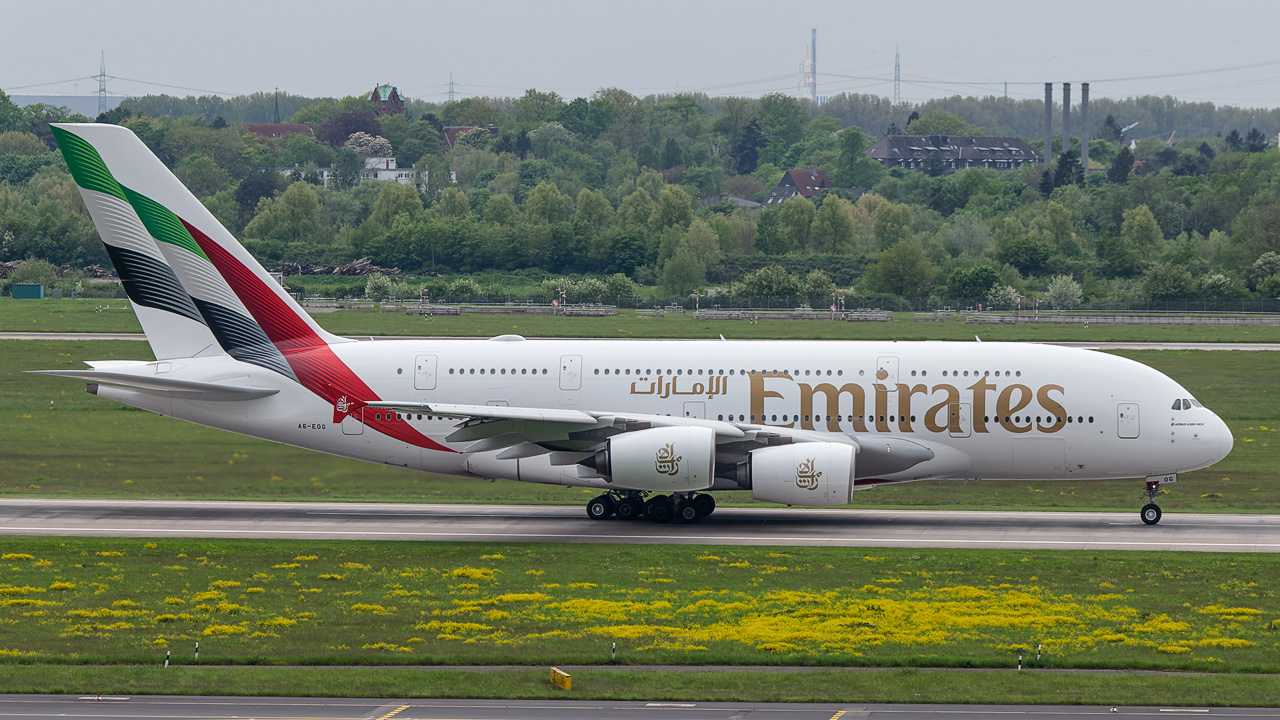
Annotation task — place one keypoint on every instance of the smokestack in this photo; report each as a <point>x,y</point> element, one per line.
<point>1048,121</point>
<point>1066,117</point>
<point>813,60</point>
<point>1084,129</point>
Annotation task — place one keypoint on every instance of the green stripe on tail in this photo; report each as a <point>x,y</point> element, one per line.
<point>162,223</point>
<point>86,164</point>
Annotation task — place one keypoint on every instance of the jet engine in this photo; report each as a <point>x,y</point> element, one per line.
<point>663,459</point>
<point>810,473</point>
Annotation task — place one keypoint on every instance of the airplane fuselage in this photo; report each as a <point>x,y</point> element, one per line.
<point>991,410</point>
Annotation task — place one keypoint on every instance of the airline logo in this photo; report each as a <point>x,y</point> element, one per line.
<point>666,461</point>
<point>806,476</point>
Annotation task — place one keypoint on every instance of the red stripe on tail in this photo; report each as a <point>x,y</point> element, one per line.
<point>313,361</point>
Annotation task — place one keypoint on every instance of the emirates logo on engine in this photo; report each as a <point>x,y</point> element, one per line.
<point>806,476</point>
<point>666,461</point>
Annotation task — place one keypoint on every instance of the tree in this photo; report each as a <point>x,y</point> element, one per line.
<point>1233,141</point>
<point>1142,231</point>
<point>832,228</point>
<point>746,152</point>
<point>703,242</point>
<point>771,282</point>
<point>683,274</point>
<point>672,155</point>
<point>816,287</point>
<point>675,207</point>
<point>934,165</point>
<point>635,210</point>
<point>593,210</point>
<point>795,220</point>
<point>292,217</point>
<point>536,107</point>
<point>1064,293</point>
<point>940,122</point>
<point>647,157</point>
<point>854,168</point>
<point>782,119</point>
<point>1068,171</point>
<point>1166,282</point>
<point>469,112</point>
<point>501,210</point>
<point>302,150</point>
<point>13,142</point>
<point>1256,141</point>
<point>1002,296</point>
<point>202,176</point>
<point>546,204</point>
<point>892,224</point>
<point>1120,168</point>
<point>1110,130</point>
<point>971,285</point>
<point>368,146</point>
<point>394,200</point>
<point>377,287</point>
<point>902,270</point>
<point>337,129</point>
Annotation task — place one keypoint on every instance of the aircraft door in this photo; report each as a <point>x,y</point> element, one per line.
<point>959,419</point>
<point>887,378</point>
<point>570,372</point>
<point>695,410</point>
<point>1128,421</point>
<point>424,373</point>
<point>353,423</point>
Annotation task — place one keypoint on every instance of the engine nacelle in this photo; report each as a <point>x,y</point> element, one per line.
<point>812,473</point>
<point>664,459</point>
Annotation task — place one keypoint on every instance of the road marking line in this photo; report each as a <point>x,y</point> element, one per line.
<point>717,539</point>
<point>397,711</point>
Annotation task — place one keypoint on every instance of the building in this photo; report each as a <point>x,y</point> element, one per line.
<point>805,182</point>
<point>384,168</point>
<point>451,133</point>
<point>267,131</point>
<point>387,99</point>
<point>956,151</point>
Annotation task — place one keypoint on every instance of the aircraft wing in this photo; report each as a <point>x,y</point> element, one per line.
<point>519,432</point>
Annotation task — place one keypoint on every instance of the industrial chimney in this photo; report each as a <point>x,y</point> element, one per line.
<point>813,60</point>
<point>1066,117</point>
<point>1084,130</point>
<point>1048,121</point>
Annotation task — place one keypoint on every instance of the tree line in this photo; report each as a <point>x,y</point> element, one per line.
<point>614,184</point>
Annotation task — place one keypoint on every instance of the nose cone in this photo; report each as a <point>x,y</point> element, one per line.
<point>1220,439</point>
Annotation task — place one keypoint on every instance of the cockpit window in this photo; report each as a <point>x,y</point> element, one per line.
<point>1177,404</point>
<point>1196,402</point>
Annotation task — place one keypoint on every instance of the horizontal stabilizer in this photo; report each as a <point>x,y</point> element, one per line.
<point>181,389</point>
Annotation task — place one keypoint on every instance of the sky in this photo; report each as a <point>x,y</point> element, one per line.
<point>1222,52</point>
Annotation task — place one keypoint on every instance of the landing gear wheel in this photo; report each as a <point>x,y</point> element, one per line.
<point>1151,513</point>
<point>705,505</point>
<point>629,508</point>
<point>660,509</point>
<point>601,507</point>
<point>687,511</point>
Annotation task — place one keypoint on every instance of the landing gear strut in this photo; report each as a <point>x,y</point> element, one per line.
<point>1151,511</point>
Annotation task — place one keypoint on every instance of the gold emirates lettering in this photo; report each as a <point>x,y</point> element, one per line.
<point>821,403</point>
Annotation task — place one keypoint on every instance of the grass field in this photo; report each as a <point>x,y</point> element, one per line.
<point>83,316</point>
<point>108,600</point>
<point>89,447</point>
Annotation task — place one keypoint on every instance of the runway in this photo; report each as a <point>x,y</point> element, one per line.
<point>569,524</point>
<point>1271,347</point>
<point>157,707</point>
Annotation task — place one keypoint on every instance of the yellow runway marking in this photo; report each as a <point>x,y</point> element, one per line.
<point>397,711</point>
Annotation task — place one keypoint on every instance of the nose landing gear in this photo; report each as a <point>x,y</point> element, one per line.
<point>1151,511</point>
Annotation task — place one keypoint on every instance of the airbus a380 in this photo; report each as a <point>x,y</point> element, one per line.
<point>655,426</point>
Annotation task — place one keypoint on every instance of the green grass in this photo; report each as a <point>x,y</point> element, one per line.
<point>87,601</point>
<point>1002,687</point>
<point>82,316</point>
<point>90,447</point>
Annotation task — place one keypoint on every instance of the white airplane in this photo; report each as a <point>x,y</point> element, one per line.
<point>656,426</point>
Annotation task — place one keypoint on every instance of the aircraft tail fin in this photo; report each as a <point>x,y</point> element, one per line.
<point>191,281</point>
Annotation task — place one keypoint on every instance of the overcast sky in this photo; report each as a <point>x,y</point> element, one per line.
<point>1221,52</point>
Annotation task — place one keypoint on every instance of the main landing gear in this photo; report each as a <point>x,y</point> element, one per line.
<point>685,508</point>
<point>1151,511</point>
